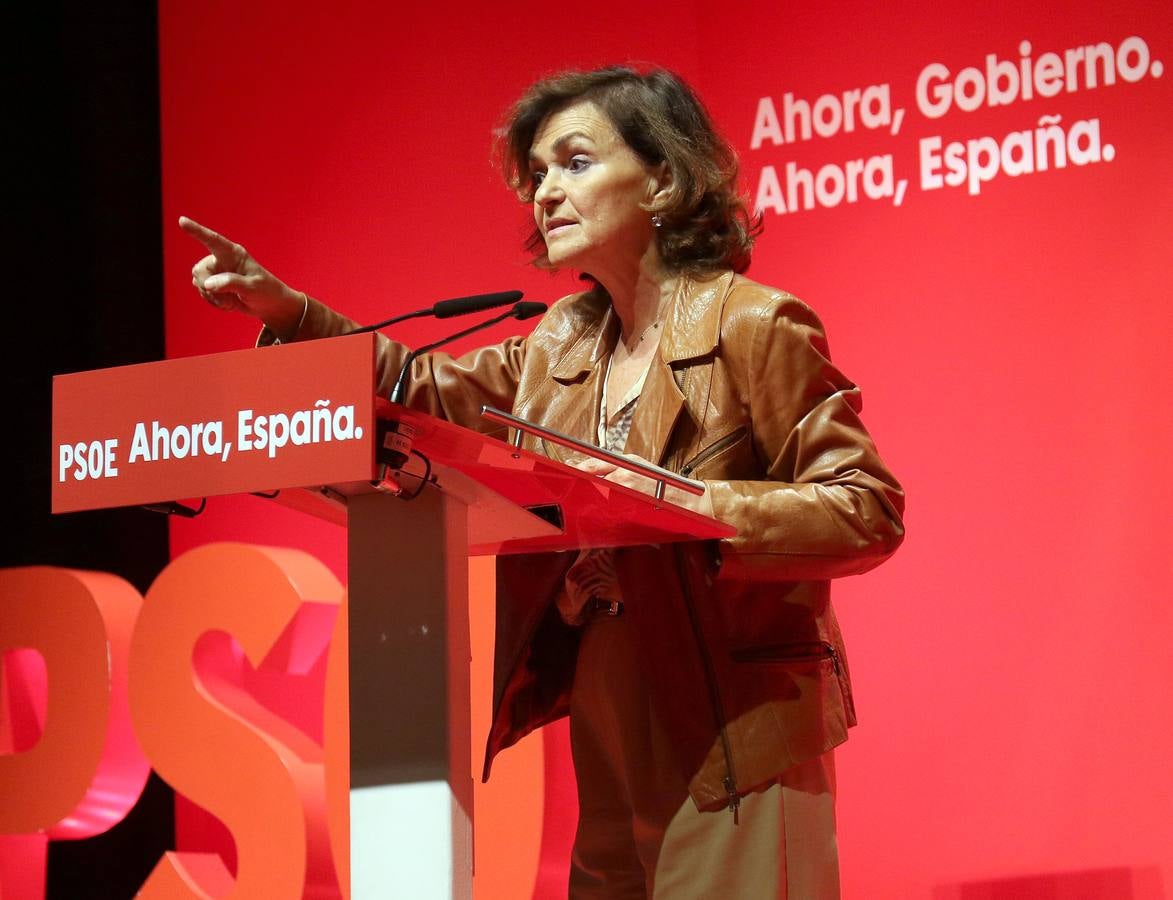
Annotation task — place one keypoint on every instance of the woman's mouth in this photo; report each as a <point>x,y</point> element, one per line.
<point>555,226</point>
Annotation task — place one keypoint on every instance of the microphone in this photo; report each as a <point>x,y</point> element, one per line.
<point>525,309</point>
<point>458,306</point>
<point>445,309</point>
<point>393,445</point>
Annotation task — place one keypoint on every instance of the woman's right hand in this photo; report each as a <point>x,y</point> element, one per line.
<point>230,279</point>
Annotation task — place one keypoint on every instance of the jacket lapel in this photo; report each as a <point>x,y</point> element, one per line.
<point>692,332</point>
<point>574,408</point>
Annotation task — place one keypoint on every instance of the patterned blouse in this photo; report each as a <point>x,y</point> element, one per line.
<point>592,577</point>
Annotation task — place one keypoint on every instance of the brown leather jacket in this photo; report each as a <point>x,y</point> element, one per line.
<point>743,653</point>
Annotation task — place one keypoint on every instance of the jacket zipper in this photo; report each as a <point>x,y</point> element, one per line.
<point>730,780</point>
<point>777,654</point>
<point>712,450</point>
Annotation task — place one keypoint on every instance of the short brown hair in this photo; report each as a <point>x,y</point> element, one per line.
<point>706,222</point>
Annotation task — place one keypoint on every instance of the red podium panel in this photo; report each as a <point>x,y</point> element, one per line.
<point>589,511</point>
<point>247,420</point>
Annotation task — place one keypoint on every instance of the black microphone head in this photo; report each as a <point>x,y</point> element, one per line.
<point>458,306</point>
<point>527,309</point>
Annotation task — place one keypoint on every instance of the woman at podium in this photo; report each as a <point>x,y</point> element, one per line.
<point>706,682</point>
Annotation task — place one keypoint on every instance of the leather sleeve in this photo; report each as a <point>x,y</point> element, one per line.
<point>828,506</point>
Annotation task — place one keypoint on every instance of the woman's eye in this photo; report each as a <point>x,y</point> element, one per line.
<point>535,179</point>
<point>577,164</point>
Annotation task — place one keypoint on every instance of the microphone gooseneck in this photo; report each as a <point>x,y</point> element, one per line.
<point>444,309</point>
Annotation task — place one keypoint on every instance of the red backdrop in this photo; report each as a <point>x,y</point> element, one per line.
<point>1012,660</point>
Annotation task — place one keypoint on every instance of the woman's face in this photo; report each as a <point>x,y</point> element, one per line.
<point>589,190</point>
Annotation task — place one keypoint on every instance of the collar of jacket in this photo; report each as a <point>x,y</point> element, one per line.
<point>692,330</point>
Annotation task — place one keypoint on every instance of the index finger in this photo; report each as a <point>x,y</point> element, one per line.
<point>219,245</point>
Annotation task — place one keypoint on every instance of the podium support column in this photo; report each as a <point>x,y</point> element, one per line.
<point>410,731</point>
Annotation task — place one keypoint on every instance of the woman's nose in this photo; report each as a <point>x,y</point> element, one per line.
<point>549,190</point>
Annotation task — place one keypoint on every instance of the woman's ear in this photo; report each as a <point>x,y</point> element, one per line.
<point>660,185</point>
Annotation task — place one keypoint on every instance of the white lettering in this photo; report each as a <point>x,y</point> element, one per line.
<point>830,186</point>
<point>796,109</point>
<point>300,428</point>
<point>64,460</point>
<point>765,125</point>
<point>933,97</point>
<point>178,441</point>
<point>969,90</point>
<point>875,110</point>
<point>828,115</point>
<point>323,423</point>
<point>244,430</point>
<point>275,431</point>
<point>980,160</point>
<point>139,448</point>
<point>1048,75</point>
<point>1018,156</point>
<point>88,460</point>
<point>278,432</point>
<point>1083,142</point>
<point>1129,70</point>
<point>831,114</point>
<point>884,187</point>
<point>344,427</point>
<point>181,441</point>
<point>1002,83</point>
<point>930,163</point>
<point>213,439</point>
<point>769,196</point>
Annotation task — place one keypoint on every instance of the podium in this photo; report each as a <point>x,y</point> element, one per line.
<point>300,424</point>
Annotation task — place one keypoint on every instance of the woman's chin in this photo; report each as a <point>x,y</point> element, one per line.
<point>564,260</point>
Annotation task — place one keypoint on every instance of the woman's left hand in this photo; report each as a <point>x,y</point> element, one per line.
<point>702,504</point>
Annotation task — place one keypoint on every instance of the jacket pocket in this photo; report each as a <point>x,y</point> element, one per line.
<point>793,653</point>
<point>718,446</point>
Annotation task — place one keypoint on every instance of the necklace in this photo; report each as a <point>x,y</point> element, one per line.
<point>642,336</point>
<point>644,333</point>
<point>661,311</point>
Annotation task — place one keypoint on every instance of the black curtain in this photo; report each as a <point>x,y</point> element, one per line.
<point>84,291</point>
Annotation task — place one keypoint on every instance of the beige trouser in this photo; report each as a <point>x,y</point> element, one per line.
<point>639,834</point>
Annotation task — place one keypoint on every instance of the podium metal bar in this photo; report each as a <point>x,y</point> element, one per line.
<point>660,475</point>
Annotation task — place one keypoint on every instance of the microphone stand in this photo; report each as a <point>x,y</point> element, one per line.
<point>393,320</point>
<point>517,311</point>
<point>394,445</point>
<point>445,309</point>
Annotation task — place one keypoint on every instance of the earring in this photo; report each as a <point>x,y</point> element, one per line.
<point>657,220</point>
